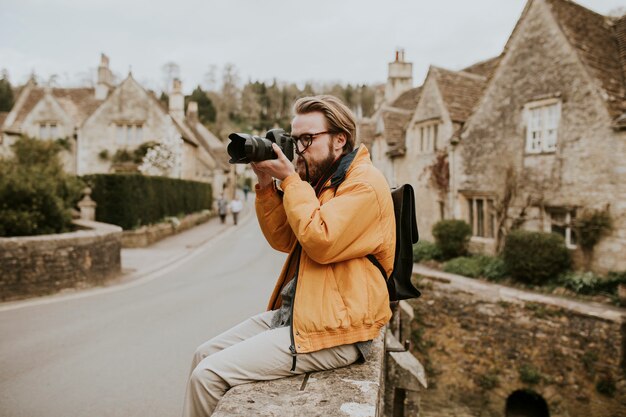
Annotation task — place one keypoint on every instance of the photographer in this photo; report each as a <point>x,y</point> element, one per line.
<point>330,301</point>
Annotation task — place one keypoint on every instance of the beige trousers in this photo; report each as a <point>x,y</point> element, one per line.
<point>250,352</point>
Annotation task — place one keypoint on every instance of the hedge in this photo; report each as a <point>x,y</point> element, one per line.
<point>133,200</point>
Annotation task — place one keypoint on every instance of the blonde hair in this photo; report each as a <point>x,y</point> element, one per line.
<point>339,118</point>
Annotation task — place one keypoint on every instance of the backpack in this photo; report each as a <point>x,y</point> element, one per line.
<point>399,283</point>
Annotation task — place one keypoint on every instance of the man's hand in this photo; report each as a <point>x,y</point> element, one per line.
<point>279,168</point>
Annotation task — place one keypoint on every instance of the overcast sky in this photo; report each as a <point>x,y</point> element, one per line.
<point>349,41</point>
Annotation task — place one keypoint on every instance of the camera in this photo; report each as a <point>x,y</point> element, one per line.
<point>245,148</point>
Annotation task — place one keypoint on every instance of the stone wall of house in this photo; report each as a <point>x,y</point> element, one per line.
<point>480,345</point>
<point>414,166</point>
<point>39,265</point>
<point>588,169</point>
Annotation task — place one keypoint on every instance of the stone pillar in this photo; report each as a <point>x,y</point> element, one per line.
<point>87,206</point>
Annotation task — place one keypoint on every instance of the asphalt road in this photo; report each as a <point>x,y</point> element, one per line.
<point>127,352</point>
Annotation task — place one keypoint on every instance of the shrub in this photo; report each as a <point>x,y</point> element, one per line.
<point>36,195</point>
<point>580,282</point>
<point>452,237</point>
<point>592,226</point>
<point>495,269</point>
<point>466,266</point>
<point>529,374</point>
<point>535,257</point>
<point>425,251</point>
<point>133,200</point>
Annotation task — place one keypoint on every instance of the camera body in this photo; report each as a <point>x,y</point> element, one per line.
<point>245,148</point>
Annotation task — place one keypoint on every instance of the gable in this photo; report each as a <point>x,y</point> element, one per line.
<point>596,42</point>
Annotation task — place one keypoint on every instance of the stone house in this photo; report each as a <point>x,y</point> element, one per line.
<point>98,123</point>
<point>547,140</point>
<point>410,137</point>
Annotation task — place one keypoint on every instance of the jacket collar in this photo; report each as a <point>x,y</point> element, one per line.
<point>346,162</point>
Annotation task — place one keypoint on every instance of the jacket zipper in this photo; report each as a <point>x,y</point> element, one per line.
<point>292,348</point>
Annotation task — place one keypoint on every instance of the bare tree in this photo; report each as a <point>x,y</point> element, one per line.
<point>170,71</point>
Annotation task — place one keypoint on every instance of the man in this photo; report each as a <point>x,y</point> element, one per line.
<point>222,208</point>
<point>330,301</point>
<point>235,207</point>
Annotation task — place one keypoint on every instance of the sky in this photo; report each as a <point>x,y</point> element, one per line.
<point>347,41</point>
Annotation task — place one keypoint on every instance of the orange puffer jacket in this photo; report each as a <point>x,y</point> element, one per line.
<point>341,297</point>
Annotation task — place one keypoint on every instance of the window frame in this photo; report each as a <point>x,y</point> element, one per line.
<point>542,117</point>
<point>568,224</point>
<point>483,223</point>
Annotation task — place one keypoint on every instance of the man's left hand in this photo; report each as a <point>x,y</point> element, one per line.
<point>279,168</point>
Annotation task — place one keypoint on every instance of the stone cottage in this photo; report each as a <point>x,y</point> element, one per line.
<point>547,140</point>
<point>98,124</point>
<point>410,137</point>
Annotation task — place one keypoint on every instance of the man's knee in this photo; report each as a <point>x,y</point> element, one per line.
<point>206,377</point>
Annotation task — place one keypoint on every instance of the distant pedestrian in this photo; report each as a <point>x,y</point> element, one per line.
<point>222,208</point>
<point>235,207</point>
<point>246,190</point>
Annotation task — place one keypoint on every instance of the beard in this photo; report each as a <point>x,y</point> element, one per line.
<point>316,168</point>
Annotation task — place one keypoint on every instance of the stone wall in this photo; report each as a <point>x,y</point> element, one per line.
<point>39,265</point>
<point>147,235</point>
<point>482,342</point>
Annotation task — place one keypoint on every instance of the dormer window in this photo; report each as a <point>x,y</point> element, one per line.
<point>48,130</point>
<point>542,124</point>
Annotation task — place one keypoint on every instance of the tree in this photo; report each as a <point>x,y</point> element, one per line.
<point>36,195</point>
<point>170,71</point>
<point>6,92</point>
<point>164,158</point>
<point>206,109</point>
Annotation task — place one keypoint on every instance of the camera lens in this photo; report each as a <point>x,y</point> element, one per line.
<point>245,148</point>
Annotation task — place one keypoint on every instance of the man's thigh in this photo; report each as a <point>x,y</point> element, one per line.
<point>244,330</point>
<point>266,356</point>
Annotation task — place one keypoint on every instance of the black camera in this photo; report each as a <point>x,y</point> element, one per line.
<point>245,148</point>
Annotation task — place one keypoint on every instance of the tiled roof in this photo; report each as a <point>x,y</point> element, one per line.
<point>210,143</point>
<point>366,132</point>
<point>409,99</point>
<point>3,116</point>
<point>395,121</point>
<point>484,68</point>
<point>596,38</point>
<point>78,103</point>
<point>460,92</point>
<point>185,131</point>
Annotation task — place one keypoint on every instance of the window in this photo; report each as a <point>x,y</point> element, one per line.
<point>542,127</point>
<point>562,222</point>
<point>129,133</point>
<point>428,133</point>
<point>48,130</point>
<point>481,216</point>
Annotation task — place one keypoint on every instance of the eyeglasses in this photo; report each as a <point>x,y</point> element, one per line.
<point>305,140</point>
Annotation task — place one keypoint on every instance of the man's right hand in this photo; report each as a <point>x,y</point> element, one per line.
<point>265,179</point>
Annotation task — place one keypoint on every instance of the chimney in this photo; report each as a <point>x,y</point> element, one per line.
<point>177,100</point>
<point>399,78</point>
<point>192,111</point>
<point>105,78</point>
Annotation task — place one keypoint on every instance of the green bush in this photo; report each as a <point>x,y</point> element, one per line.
<point>425,251</point>
<point>535,257</point>
<point>452,237</point>
<point>466,266</point>
<point>133,200</point>
<point>495,269</point>
<point>36,195</point>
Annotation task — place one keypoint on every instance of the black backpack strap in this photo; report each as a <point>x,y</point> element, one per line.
<point>391,285</point>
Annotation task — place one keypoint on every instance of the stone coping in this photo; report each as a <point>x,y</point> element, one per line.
<point>87,229</point>
<point>354,390</point>
<point>497,292</point>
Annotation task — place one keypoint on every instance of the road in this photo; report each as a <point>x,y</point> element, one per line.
<point>127,352</point>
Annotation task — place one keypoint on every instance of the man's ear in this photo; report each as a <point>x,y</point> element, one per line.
<point>339,141</point>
